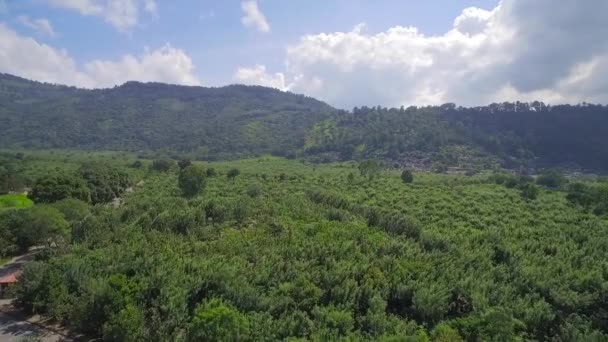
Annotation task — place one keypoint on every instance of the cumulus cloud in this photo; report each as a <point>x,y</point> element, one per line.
<point>166,64</point>
<point>41,25</point>
<point>257,75</point>
<point>150,6</point>
<point>254,18</point>
<point>28,58</point>
<point>520,50</point>
<point>122,14</point>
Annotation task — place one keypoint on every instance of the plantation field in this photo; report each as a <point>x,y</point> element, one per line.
<point>286,250</point>
<point>14,201</point>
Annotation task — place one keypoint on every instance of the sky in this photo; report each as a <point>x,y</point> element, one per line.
<point>345,52</point>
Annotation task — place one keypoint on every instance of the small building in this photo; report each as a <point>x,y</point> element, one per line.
<point>7,280</point>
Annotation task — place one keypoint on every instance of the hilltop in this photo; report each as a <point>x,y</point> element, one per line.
<point>240,121</point>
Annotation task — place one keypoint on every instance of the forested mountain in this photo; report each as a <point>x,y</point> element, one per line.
<point>237,121</point>
<point>218,122</point>
<point>513,134</point>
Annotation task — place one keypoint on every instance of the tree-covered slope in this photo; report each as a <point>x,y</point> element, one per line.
<point>513,134</point>
<point>233,120</point>
<point>237,121</point>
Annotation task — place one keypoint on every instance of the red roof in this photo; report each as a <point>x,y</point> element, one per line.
<point>10,278</point>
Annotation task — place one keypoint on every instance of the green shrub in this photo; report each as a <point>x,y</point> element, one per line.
<point>215,320</point>
<point>192,180</point>
<point>407,176</point>
<point>162,165</point>
<point>232,173</point>
<point>254,190</point>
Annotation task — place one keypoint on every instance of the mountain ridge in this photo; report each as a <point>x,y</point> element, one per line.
<point>237,121</point>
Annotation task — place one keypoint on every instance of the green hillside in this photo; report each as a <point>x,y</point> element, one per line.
<point>210,122</point>
<point>241,121</point>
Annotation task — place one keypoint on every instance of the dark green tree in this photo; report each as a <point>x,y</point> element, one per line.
<point>184,163</point>
<point>529,191</point>
<point>552,179</point>
<point>407,176</point>
<point>57,186</point>
<point>73,210</point>
<point>211,172</point>
<point>105,181</point>
<point>192,180</point>
<point>232,173</point>
<point>162,165</point>
<point>370,168</point>
<point>42,225</point>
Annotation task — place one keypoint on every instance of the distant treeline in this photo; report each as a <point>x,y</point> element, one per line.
<point>239,121</point>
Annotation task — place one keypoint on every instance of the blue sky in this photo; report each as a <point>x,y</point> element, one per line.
<point>213,35</point>
<point>98,43</point>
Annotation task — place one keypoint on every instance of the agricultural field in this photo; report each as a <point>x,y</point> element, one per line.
<point>280,249</point>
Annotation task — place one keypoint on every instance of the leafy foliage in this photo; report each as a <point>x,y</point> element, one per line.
<point>370,168</point>
<point>57,186</point>
<point>207,122</point>
<point>232,173</point>
<point>407,176</point>
<point>238,121</point>
<point>319,255</point>
<point>192,180</point>
<point>105,181</point>
<point>162,165</point>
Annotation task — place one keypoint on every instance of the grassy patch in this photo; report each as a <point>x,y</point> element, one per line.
<point>15,201</point>
<point>4,260</point>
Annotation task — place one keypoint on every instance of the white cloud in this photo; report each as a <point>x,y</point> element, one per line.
<point>254,18</point>
<point>24,56</point>
<point>122,14</point>
<point>150,6</point>
<point>258,76</point>
<point>166,64</point>
<point>520,50</point>
<point>41,25</point>
<point>473,20</point>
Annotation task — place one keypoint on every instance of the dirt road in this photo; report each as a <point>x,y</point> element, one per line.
<point>15,327</point>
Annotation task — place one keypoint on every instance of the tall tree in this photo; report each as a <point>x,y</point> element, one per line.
<point>192,180</point>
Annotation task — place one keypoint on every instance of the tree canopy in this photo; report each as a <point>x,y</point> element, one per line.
<point>58,186</point>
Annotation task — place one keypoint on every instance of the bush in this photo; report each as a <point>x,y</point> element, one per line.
<point>336,215</point>
<point>552,179</point>
<point>217,321</point>
<point>407,176</point>
<point>215,212</point>
<point>581,194</point>
<point>211,172</point>
<point>232,173</point>
<point>184,163</point>
<point>240,210</point>
<point>192,180</point>
<point>370,168</point>
<point>162,165</point>
<point>254,190</point>
<point>529,191</point>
